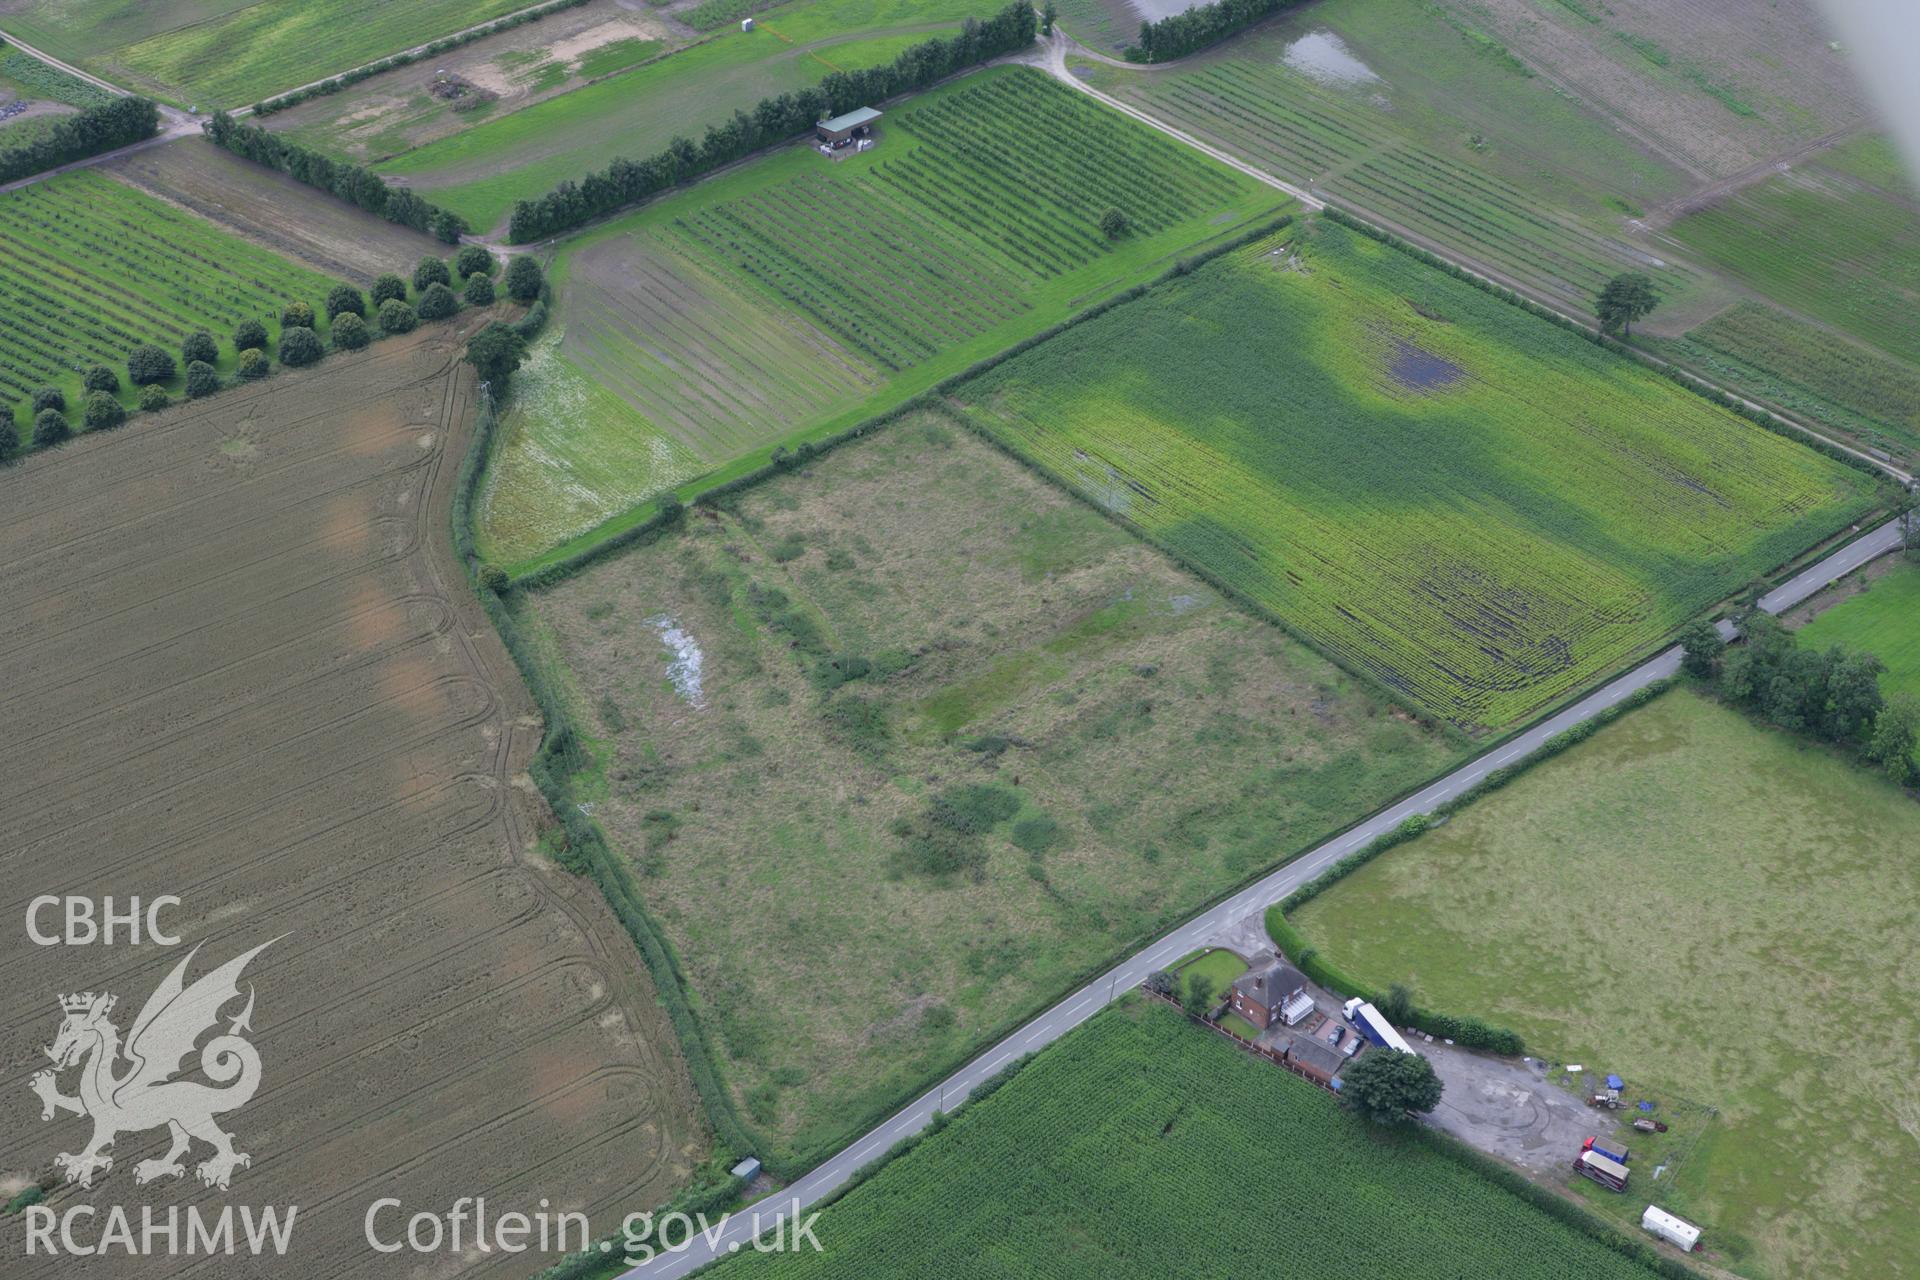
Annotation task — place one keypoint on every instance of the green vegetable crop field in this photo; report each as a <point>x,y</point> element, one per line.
<point>1141,1145</point>
<point>96,268</point>
<point>1842,250</point>
<point>1387,106</point>
<point>232,52</point>
<point>1480,510</point>
<point>1719,912</point>
<point>800,293</point>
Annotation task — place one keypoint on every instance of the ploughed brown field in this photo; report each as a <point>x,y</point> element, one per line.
<point>243,668</point>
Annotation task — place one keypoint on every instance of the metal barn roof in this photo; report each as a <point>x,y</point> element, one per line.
<point>852,120</point>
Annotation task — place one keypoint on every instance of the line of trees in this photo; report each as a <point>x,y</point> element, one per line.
<point>119,123</point>
<point>350,182</point>
<point>1200,27</point>
<point>1832,695</point>
<point>774,119</point>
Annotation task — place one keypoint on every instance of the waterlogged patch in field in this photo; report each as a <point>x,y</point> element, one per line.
<point>571,454</point>
<point>922,777</point>
<point>1158,1149</point>
<point>95,268</point>
<point>799,293</point>
<point>1477,509</point>
<point>1685,898</point>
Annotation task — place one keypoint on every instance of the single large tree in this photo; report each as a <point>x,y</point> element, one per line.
<point>1384,1085</point>
<point>1896,733</point>
<point>495,352</point>
<point>1627,297</point>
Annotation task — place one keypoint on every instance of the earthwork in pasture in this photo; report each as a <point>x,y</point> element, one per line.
<point>1529,514</point>
<point>1682,899</point>
<point>1159,1149</point>
<point>798,293</point>
<point>246,669</point>
<point>895,732</point>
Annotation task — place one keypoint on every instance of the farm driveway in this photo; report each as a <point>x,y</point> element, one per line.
<point>1511,1109</point>
<point>244,669</point>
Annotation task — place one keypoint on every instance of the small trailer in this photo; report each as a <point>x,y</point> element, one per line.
<point>1677,1232</point>
<point>1608,1173</point>
<point>1617,1155</point>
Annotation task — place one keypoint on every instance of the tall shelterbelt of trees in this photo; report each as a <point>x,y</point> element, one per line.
<point>348,181</point>
<point>119,123</point>
<point>1200,27</point>
<point>776,119</point>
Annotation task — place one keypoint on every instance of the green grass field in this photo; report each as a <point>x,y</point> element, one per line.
<point>97,268</point>
<point>1713,910</point>
<point>799,294</point>
<point>1885,621</point>
<point>894,733</point>
<point>1479,510</point>
<point>228,53</point>
<point>480,173</point>
<point>1141,1145</point>
<point>1393,109</point>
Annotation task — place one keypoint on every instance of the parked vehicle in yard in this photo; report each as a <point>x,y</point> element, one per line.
<point>1618,1155</point>
<point>1372,1024</point>
<point>1610,1174</point>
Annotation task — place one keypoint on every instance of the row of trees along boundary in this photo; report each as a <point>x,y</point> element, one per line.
<point>353,183</point>
<point>772,121</point>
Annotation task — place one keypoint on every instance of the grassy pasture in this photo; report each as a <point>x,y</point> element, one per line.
<point>1141,1145</point>
<point>1029,675</point>
<point>799,293</point>
<point>96,268</point>
<point>1884,620</point>
<point>480,172</point>
<point>1394,109</point>
<point>229,53</point>
<point>1475,508</point>
<point>1706,907</point>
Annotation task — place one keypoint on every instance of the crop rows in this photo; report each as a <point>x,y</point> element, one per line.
<point>1030,167</point>
<point>1131,1139</point>
<point>96,268</point>
<point>1484,544</point>
<point>1351,150</point>
<point>873,273</point>
<point>1457,205</point>
<point>1846,256</point>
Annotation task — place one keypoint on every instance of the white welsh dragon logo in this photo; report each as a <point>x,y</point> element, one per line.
<point>144,1095</point>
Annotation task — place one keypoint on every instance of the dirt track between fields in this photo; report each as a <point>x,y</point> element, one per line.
<point>244,669</point>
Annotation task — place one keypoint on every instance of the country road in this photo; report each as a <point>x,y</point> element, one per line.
<point>174,123</point>
<point>1254,899</point>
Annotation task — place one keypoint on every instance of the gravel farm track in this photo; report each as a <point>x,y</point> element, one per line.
<point>245,668</point>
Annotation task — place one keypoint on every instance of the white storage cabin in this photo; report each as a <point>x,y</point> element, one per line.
<point>1675,1231</point>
